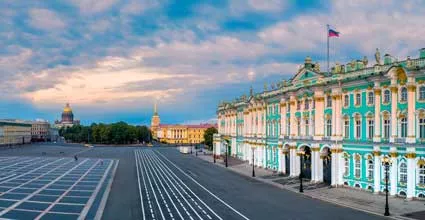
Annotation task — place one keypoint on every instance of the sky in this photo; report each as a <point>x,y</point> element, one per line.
<point>112,59</point>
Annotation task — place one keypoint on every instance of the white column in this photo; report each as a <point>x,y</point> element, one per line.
<point>393,177</point>
<point>320,168</point>
<point>292,160</point>
<point>394,101</point>
<point>377,136</point>
<point>411,168</point>
<point>297,164</point>
<point>314,164</point>
<point>411,105</point>
<point>279,159</point>
<point>377,170</point>
<point>283,163</point>
<point>264,157</point>
<point>334,176</point>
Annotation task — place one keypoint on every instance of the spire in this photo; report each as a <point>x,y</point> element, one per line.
<point>155,109</point>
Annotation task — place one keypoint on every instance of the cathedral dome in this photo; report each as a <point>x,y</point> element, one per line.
<point>67,115</point>
<point>67,108</point>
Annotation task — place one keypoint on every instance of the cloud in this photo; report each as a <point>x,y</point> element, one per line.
<point>270,5</point>
<point>136,7</point>
<point>93,6</point>
<point>45,19</point>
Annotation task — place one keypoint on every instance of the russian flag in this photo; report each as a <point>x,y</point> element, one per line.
<point>333,33</point>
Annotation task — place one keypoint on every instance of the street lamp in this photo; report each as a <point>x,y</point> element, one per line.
<point>226,153</point>
<point>387,164</point>
<point>301,153</point>
<point>253,170</point>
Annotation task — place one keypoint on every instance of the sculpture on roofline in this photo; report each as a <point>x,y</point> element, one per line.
<point>378,57</point>
<point>316,67</point>
<point>365,61</point>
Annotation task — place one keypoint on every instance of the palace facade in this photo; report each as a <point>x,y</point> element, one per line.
<point>338,127</point>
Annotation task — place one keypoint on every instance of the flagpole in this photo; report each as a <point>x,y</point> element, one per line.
<point>327,57</point>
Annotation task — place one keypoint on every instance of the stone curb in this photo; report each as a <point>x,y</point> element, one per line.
<point>280,186</point>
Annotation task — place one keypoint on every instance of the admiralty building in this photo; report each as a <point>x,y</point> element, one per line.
<point>337,127</point>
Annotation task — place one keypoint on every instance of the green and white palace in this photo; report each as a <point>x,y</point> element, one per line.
<point>343,124</point>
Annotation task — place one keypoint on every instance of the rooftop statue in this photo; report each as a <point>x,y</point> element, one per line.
<point>378,56</point>
<point>317,67</point>
<point>365,61</point>
<point>337,68</point>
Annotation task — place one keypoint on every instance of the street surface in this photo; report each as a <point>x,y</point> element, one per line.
<point>168,185</point>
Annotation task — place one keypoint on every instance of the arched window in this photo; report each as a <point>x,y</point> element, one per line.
<point>387,96</point>
<point>346,127</point>
<point>403,127</point>
<point>328,101</point>
<point>358,124</point>
<point>402,173</point>
<point>370,127</point>
<point>421,174</point>
<point>346,165</point>
<point>370,98</point>
<point>403,95</point>
<point>346,100</point>
<point>386,124</point>
<point>328,126</point>
<point>358,99</point>
<point>357,166</point>
<point>422,93</point>
<point>370,168</point>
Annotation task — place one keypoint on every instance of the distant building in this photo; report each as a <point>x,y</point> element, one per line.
<point>14,132</point>
<point>53,135</point>
<point>40,130</point>
<point>176,133</point>
<point>67,118</point>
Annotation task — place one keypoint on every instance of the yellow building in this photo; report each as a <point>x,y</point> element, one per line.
<point>14,132</point>
<point>176,133</point>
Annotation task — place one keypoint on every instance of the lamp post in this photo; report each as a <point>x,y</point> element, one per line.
<point>301,171</point>
<point>387,165</point>
<point>253,170</point>
<point>226,154</point>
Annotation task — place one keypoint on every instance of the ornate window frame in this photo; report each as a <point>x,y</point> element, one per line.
<point>357,162</point>
<point>386,92</point>
<point>401,93</point>
<point>368,98</point>
<point>419,99</point>
<point>358,102</point>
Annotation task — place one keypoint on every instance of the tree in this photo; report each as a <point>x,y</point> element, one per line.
<point>208,136</point>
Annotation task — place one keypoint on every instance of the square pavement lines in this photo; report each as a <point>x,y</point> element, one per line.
<point>54,188</point>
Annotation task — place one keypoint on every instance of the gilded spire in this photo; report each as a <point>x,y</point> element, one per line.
<point>155,109</point>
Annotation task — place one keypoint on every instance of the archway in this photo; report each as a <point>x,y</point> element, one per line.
<point>306,162</point>
<point>327,165</point>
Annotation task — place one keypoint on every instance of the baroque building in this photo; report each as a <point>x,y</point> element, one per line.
<point>337,127</point>
<point>67,119</point>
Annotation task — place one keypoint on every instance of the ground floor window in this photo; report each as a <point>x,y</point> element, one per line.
<point>346,165</point>
<point>403,173</point>
<point>357,166</point>
<point>422,128</point>
<point>370,168</point>
<point>421,172</point>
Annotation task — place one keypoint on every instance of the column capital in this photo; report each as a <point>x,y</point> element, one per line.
<point>411,87</point>
<point>410,155</point>
<point>394,88</point>
<point>393,154</point>
<point>377,90</point>
<point>376,153</point>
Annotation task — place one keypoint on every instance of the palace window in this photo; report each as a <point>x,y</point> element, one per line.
<point>371,127</point>
<point>288,127</point>
<point>403,127</point>
<point>421,174</point>
<point>346,127</point>
<point>307,126</point>
<point>370,168</point>
<point>422,93</point>
<point>328,101</point>
<point>370,98</point>
<point>387,96</point>
<point>314,104</point>
<point>346,100</point>
<point>298,105</point>
<point>403,95</point>
<point>387,124</point>
<point>357,166</point>
<point>358,99</point>
<point>299,127</point>
<point>328,127</point>
<point>346,165</point>
<point>306,104</point>
<point>358,128</point>
<point>403,173</point>
<point>422,128</point>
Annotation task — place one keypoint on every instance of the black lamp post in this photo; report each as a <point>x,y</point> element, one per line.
<point>301,171</point>
<point>253,170</point>
<point>226,153</point>
<point>387,164</point>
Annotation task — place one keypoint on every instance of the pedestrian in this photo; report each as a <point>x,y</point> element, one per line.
<point>75,157</point>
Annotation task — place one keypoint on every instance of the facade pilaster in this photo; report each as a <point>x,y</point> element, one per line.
<point>282,118</point>
<point>294,131</point>
<point>283,163</point>
<point>315,159</point>
<point>338,112</point>
<point>393,173</point>
<point>394,101</point>
<point>411,167</point>
<point>377,169</point>
<point>292,158</point>
<point>319,115</point>
<point>377,91</point>
<point>279,160</point>
<point>411,105</point>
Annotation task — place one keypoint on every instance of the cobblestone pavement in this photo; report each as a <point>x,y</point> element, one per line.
<point>348,197</point>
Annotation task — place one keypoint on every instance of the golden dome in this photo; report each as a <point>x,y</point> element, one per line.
<point>67,108</point>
